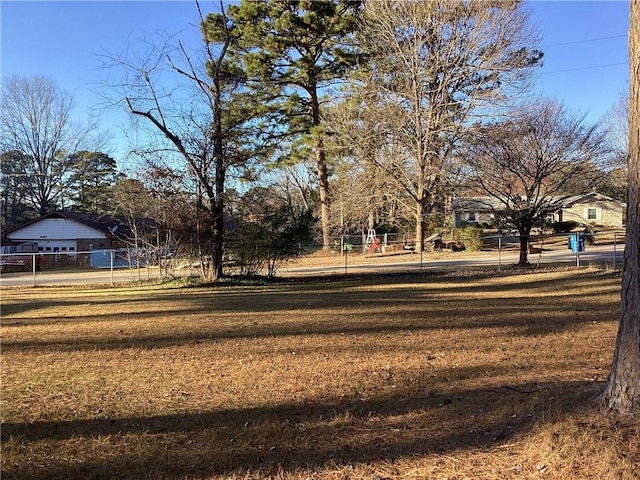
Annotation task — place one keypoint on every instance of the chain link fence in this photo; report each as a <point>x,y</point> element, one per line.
<point>95,266</point>
<point>467,239</point>
<point>346,253</point>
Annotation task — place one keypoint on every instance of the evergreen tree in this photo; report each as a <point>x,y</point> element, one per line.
<point>293,51</point>
<point>622,393</point>
<point>14,186</point>
<point>91,178</point>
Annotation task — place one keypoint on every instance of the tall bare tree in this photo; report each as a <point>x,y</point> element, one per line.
<point>203,116</point>
<point>616,121</point>
<point>437,63</point>
<point>623,387</point>
<point>36,120</point>
<point>362,147</point>
<point>533,161</point>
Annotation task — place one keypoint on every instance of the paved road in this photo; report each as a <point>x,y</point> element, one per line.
<point>598,254</point>
<point>75,278</point>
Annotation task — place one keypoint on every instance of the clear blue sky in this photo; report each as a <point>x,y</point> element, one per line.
<point>585,45</point>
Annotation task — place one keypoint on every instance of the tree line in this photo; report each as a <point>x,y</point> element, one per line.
<point>305,118</point>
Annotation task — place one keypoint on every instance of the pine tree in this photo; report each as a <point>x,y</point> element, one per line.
<point>294,51</point>
<point>91,178</point>
<point>623,388</point>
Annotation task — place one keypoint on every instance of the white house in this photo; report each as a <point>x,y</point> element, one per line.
<point>480,210</point>
<point>69,232</point>
<point>594,209</point>
<point>586,209</point>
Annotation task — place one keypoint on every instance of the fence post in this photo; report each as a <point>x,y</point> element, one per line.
<point>615,238</point>
<point>345,253</point>
<point>33,268</point>
<point>500,252</point>
<point>111,252</point>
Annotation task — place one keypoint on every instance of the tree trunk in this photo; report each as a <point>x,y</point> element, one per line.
<point>371,218</point>
<point>217,200</point>
<point>622,393</point>
<point>524,247</point>
<point>217,212</point>
<point>323,172</point>
<point>323,190</point>
<point>420,227</point>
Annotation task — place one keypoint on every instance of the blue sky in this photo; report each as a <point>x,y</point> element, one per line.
<point>585,45</point>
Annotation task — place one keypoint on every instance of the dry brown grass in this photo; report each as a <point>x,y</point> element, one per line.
<point>478,376</point>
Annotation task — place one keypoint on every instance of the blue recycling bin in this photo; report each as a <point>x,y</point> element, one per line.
<point>576,242</point>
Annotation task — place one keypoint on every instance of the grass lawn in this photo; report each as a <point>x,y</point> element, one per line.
<point>458,376</point>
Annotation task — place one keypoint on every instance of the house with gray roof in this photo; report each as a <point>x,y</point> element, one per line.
<point>74,232</point>
<point>586,209</point>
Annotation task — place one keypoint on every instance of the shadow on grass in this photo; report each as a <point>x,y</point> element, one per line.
<point>306,292</point>
<point>382,305</point>
<point>521,315</point>
<point>285,438</point>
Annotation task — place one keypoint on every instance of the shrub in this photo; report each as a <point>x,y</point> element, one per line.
<point>564,227</point>
<point>470,235</point>
<point>279,236</point>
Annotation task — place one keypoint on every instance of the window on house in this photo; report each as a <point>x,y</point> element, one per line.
<point>592,214</point>
<point>471,217</point>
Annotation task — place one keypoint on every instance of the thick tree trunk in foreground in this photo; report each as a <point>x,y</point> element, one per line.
<point>622,393</point>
